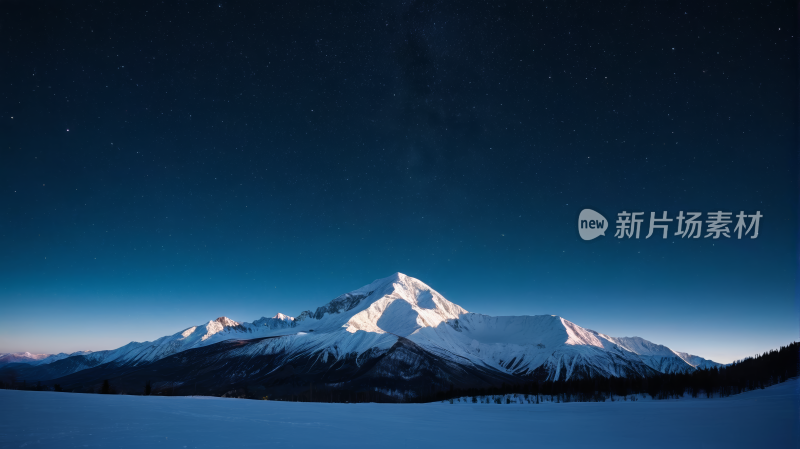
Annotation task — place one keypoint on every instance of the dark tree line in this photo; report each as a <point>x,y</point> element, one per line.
<point>752,373</point>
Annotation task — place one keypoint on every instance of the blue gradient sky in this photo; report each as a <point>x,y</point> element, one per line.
<point>167,166</point>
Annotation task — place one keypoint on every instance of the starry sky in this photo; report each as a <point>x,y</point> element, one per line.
<point>166,163</point>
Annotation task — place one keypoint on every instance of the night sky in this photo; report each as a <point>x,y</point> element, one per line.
<point>166,163</point>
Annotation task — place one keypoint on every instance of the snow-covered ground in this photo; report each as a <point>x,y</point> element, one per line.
<point>762,418</point>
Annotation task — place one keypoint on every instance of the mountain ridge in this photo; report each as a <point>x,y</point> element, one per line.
<point>370,322</point>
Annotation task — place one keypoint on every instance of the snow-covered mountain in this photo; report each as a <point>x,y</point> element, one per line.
<point>21,357</point>
<point>60,356</point>
<point>36,359</point>
<point>136,353</point>
<point>404,328</point>
<point>698,362</point>
<point>662,358</point>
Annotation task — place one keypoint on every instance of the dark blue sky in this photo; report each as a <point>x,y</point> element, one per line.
<point>165,164</point>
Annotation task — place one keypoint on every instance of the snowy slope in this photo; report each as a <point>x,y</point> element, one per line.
<point>214,331</point>
<point>56,357</point>
<point>526,344</point>
<point>662,358</point>
<point>367,322</point>
<point>697,361</point>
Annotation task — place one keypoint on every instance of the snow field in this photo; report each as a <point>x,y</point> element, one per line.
<point>762,418</point>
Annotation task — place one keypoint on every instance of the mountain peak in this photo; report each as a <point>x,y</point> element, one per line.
<point>378,283</point>
<point>226,322</point>
<point>397,304</point>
